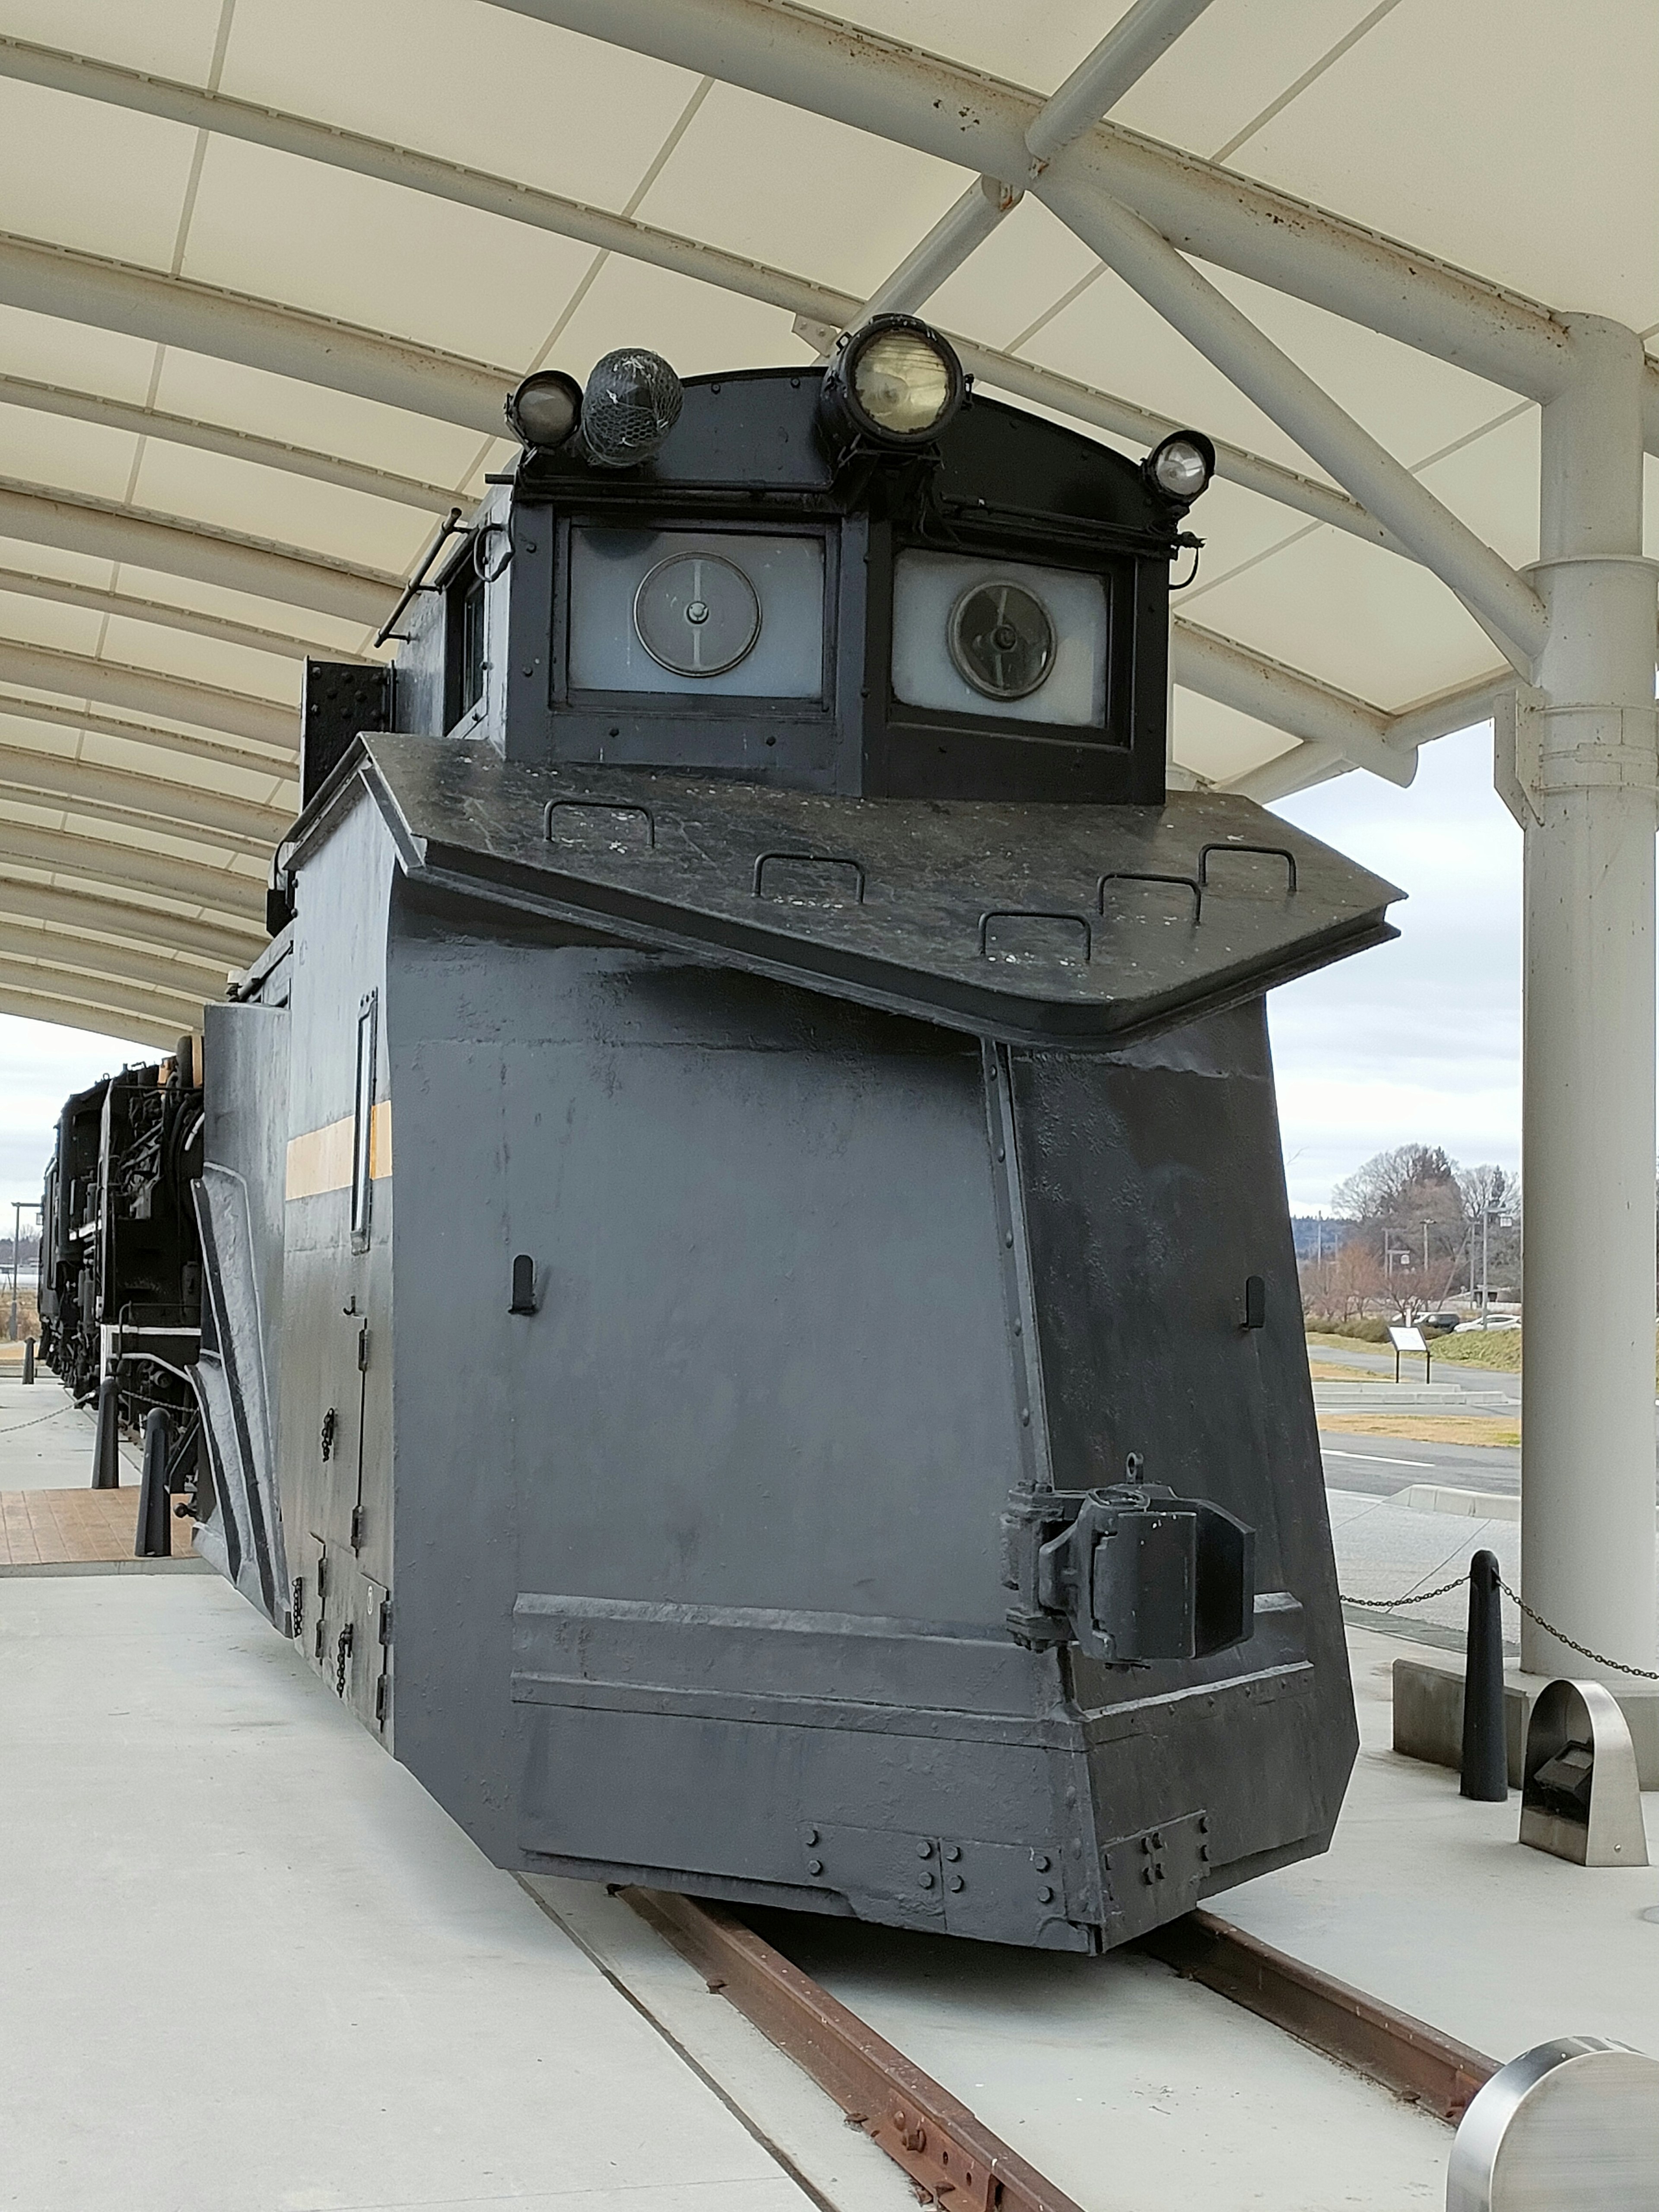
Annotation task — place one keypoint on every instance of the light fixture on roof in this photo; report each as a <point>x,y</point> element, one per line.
<point>632,402</point>
<point>545,409</point>
<point>896,383</point>
<point>1182,466</point>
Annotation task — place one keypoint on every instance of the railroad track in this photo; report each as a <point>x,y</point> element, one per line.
<point>950,2156</point>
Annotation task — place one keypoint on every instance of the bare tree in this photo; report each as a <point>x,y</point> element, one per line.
<point>1411,1217</point>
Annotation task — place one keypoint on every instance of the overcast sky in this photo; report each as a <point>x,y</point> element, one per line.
<point>1417,1042</point>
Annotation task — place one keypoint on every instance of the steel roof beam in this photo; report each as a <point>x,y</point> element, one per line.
<point>958,233</point>
<point>161,615</point>
<point>819,311</point>
<point>1318,714</point>
<point>1137,41</point>
<point>147,691</point>
<point>114,1010</point>
<point>216,438</point>
<point>119,794</point>
<point>119,962</point>
<point>1099,82</point>
<point>191,746</point>
<point>41,515</point>
<point>1317,759</point>
<point>208,319</point>
<point>1287,395</point>
<point>105,862</point>
<point>77,913</point>
<point>958,115</point>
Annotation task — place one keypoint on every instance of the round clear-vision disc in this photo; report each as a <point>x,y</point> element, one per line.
<point>697,614</point>
<point>1001,639</point>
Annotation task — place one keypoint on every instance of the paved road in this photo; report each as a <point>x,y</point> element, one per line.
<point>1383,1465</point>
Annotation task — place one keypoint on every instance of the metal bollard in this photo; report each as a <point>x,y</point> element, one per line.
<point>107,1444</point>
<point>1486,1774</point>
<point>29,1359</point>
<point>153,1536</point>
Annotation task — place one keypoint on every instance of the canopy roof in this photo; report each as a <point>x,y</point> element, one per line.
<point>272,266</point>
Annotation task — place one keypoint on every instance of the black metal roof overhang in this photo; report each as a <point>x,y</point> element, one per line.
<point>1074,927</point>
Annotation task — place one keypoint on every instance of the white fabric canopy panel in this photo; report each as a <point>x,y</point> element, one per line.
<point>270,267</point>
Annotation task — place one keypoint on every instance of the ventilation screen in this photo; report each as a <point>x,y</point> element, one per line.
<point>973,636</point>
<point>709,614</point>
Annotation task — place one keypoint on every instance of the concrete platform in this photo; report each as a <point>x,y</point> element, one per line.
<point>251,1967</point>
<point>46,1439</point>
<point>1428,1901</point>
<point>1428,1714</point>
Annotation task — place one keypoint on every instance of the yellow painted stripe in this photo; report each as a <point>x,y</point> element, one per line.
<point>320,1160</point>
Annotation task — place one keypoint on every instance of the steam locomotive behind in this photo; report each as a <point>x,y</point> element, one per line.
<point>120,1284</point>
<point>749,1320</point>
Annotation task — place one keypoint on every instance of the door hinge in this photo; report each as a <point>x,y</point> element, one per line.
<point>382,1698</point>
<point>363,1349</point>
<point>385,1620</point>
<point>359,1521</point>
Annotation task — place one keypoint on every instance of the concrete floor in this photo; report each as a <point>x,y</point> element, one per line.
<point>46,1439</point>
<point>250,1966</point>
<point>1428,1900</point>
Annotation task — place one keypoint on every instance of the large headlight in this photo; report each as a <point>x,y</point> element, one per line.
<point>545,409</point>
<point>896,382</point>
<point>1182,465</point>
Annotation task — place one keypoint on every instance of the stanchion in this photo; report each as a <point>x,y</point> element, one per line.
<point>106,1443</point>
<point>154,1537</point>
<point>1486,1775</point>
<point>29,1359</point>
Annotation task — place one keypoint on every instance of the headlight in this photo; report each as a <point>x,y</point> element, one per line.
<point>896,383</point>
<point>545,409</point>
<point>632,402</point>
<point>1182,465</point>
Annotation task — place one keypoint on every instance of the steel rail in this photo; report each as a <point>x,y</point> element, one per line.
<point>948,2154</point>
<point>1404,2054</point>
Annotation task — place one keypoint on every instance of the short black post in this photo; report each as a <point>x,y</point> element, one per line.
<point>29,1359</point>
<point>106,1443</point>
<point>153,1536</point>
<point>1485,1754</point>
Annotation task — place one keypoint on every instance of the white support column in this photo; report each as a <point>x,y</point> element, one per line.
<point>1587,771</point>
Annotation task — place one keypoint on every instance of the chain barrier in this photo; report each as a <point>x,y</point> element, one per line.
<point>1442,1590</point>
<point>56,1413</point>
<point>1416,1597</point>
<point>1598,1658</point>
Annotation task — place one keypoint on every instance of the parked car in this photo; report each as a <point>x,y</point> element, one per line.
<point>1440,1324</point>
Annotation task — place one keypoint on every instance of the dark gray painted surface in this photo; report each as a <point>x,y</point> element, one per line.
<point>700,1560</point>
<point>861,1212</point>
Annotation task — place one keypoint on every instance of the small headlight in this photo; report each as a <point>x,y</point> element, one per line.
<point>545,409</point>
<point>896,382</point>
<point>1182,465</point>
